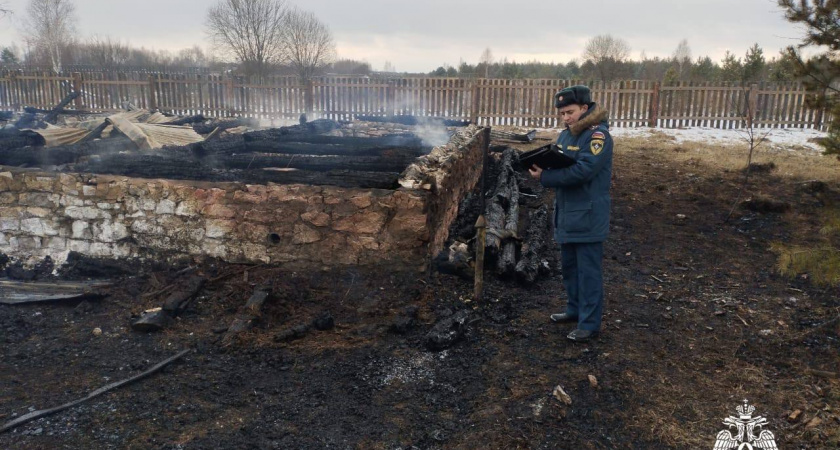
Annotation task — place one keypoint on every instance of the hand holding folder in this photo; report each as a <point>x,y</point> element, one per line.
<point>546,157</point>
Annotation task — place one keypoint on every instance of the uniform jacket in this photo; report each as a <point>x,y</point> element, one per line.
<point>582,190</point>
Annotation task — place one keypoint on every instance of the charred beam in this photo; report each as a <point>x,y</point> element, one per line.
<point>405,140</point>
<point>311,162</point>
<point>537,241</point>
<point>225,124</point>
<point>52,115</point>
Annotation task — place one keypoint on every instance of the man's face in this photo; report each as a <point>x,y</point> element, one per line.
<point>571,114</point>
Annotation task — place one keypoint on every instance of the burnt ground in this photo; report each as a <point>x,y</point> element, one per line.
<point>697,319</point>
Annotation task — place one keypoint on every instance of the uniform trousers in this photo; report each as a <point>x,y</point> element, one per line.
<point>584,282</point>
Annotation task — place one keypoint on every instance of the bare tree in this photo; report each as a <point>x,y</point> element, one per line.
<point>4,9</point>
<point>682,56</point>
<point>485,61</point>
<point>192,57</point>
<point>50,26</point>
<point>252,31</point>
<point>108,53</point>
<point>309,43</point>
<point>607,54</point>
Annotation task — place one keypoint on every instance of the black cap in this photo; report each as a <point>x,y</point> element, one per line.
<point>572,95</point>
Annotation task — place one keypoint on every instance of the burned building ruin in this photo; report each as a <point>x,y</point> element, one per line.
<point>319,194</point>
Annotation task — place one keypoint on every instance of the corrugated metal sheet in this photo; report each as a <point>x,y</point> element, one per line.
<point>159,118</point>
<point>161,135</point>
<point>56,136</point>
<point>147,130</point>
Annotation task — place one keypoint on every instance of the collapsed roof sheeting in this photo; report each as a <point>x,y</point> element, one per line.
<point>163,135</point>
<point>58,136</point>
<point>147,130</point>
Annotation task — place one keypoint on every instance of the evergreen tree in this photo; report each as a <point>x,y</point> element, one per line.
<point>731,68</point>
<point>821,73</point>
<point>782,69</point>
<point>754,64</point>
<point>7,56</point>
<point>705,70</point>
<point>672,75</point>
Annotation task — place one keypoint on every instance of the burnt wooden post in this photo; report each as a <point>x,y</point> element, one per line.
<point>480,240</point>
<point>481,223</point>
<point>654,105</point>
<point>152,102</point>
<point>77,87</point>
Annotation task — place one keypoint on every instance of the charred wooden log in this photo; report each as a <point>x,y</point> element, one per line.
<point>28,120</point>
<point>508,195</point>
<point>312,162</point>
<point>181,167</point>
<point>225,146</point>
<point>247,315</point>
<point>74,112</point>
<point>537,241</point>
<point>415,120</point>
<point>40,156</point>
<point>330,149</point>
<point>178,301</point>
<point>503,213</point>
<point>52,115</point>
<point>11,139</point>
<point>224,124</point>
<point>187,120</point>
<point>404,140</point>
<point>152,320</point>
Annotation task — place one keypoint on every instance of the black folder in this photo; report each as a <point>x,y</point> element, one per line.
<point>546,157</point>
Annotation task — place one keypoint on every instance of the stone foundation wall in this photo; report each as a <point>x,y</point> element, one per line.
<point>48,214</point>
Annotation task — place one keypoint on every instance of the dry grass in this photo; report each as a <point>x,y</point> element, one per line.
<point>795,164</point>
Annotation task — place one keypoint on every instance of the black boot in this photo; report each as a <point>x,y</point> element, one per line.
<point>563,318</point>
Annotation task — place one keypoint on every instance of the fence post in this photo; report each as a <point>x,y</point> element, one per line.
<point>309,97</point>
<point>77,87</point>
<point>818,118</point>
<point>229,103</point>
<point>390,99</point>
<point>14,91</point>
<point>654,105</point>
<point>152,102</point>
<point>753,105</point>
<point>475,101</point>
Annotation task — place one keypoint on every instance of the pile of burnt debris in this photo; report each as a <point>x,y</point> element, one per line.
<point>519,239</point>
<point>146,144</point>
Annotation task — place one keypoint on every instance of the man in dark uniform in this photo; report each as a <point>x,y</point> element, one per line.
<point>581,207</point>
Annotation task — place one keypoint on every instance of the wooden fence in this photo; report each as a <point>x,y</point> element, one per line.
<point>485,101</point>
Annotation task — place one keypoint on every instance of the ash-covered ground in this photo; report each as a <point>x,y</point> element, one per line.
<point>697,319</point>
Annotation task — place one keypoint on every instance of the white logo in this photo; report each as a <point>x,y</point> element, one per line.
<point>745,439</point>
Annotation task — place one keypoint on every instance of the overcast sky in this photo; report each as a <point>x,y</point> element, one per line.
<point>420,35</point>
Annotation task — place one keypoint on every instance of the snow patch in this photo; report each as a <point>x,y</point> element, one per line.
<point>791,139</point>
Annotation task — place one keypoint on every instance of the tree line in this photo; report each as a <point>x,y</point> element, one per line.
<point>607,58</point>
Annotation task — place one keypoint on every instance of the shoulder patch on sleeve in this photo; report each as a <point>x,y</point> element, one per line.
<point>596,146</point>
<point>598,135</point>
